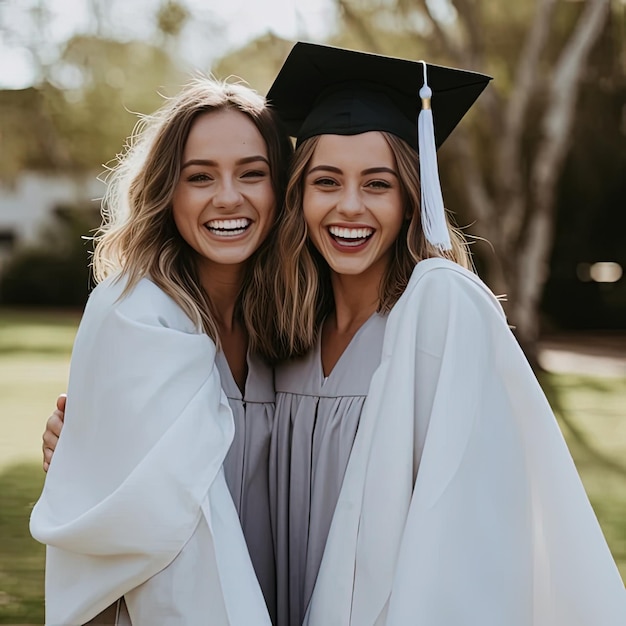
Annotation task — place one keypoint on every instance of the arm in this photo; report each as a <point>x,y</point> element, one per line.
<point>54,425</point>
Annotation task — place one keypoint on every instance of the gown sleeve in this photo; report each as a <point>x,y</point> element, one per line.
<point>138,471</point>
<point>499,529</point>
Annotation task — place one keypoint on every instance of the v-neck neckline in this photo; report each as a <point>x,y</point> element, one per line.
<point>241,395</point>
<point>323,380</point>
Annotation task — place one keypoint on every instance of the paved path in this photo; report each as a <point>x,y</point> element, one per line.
<point>597,354</point>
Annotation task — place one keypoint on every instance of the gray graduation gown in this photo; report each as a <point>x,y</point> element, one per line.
<point>314,428</point>
<point>246,465</point>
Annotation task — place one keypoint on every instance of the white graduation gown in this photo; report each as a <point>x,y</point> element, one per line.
<point>461,505</point>
<point>135,503</point>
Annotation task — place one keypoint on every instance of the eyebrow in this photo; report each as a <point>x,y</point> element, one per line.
<point>208,162</point>
<point>370,170</point>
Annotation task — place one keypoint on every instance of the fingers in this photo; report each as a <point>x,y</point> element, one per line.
<point>49,444</point>
<point>61,400</point>
<point>47,457</point>
<point>54,425</point>
<point>50,438</point>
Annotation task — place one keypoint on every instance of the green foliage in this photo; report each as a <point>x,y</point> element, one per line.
<point>172,17</point>
<point>257,63</point>
<point>115,82</point>
<point>55,274</point>
<point>81,119</point>
<point>28,135</point>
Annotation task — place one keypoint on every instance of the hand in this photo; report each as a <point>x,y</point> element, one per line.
<point>54,425</point>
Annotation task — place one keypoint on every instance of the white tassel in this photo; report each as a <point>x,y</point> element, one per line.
<point>433,212</point>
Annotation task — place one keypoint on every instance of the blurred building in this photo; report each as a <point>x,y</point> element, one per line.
<point>32,201</point>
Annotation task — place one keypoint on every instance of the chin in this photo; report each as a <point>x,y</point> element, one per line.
<point>348,271</point>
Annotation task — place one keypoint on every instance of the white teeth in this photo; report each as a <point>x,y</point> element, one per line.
<point>350,233</point>
<point>230,225</point>
<point>228,228</point>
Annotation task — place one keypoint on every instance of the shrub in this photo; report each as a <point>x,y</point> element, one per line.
<point>55,273</point>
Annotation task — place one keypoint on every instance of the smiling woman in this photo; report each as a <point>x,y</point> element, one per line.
<point>420,476</point>
<point>354,208</point>
<point>166,373</point>
<point>224,204</point>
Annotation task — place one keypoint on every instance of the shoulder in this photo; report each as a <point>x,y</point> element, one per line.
<point>443,298</point>
<point>443,282</point>
<point>445,306</point>
<point>144,303</point>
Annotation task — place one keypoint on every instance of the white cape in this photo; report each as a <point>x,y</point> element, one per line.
<point>461,505</point>
<point>135,503</point>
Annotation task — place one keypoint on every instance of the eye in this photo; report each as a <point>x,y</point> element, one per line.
<point>199,178</point>
<point>254,174</point>
<point>325,182</point>
<point>379,184</point>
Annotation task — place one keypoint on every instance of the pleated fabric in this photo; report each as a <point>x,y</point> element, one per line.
<point>315,425</point>
<point>246,466</point>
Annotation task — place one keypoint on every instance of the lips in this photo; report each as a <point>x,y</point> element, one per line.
<point>350,237</point>
<point>228,228</point>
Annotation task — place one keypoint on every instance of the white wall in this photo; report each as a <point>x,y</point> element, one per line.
<point>26,206</point>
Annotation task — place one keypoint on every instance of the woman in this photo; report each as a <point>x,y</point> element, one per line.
<point>400,345</point>
<point>460,503</point>
<point>189,210</point>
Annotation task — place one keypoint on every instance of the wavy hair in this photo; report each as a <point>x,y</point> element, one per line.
<point>301,283</point>
<point>138,237</point>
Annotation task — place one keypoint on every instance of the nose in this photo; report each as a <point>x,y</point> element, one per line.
<point>227,194</point>
<point>350,203</point>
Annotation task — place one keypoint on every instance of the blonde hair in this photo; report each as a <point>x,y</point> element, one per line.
<point>302,287</point>
<point>138,237</point>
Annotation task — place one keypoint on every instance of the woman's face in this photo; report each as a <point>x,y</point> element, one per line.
<point>353,202</point>
<point>224,203</point>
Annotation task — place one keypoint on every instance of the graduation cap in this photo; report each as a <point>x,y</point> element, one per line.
<point>326,90</point>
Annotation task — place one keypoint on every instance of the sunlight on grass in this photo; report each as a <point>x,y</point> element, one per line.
<point>21,558</point>
<point>34,364</point>
<point>39,333</point>
<point>596,409</point>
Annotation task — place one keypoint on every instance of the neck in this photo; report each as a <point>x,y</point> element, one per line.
<point>222,284</point>
<point>356,298</point>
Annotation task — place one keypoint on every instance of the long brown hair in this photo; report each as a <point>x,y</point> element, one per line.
<point>138,237</point>
<point>301,282</point>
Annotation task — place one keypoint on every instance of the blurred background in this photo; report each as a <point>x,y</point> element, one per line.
<point>535,174</point>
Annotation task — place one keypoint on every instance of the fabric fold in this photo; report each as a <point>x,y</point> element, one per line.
<point>147,428</point>
<point>461,503</point>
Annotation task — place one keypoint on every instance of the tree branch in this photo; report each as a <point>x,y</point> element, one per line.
<point>509,163</point>
<point>479,202</point>
<point>360,26</point>
<point>452,49</point>
<point>469,12</point>
<point>556,132</point>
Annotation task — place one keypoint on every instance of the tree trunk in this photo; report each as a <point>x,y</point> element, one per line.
<point>532,270</point>
<point>513,210</point>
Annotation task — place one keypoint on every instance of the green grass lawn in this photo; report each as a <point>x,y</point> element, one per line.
<point>34,362</point>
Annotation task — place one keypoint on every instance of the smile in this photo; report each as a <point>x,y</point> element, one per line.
<point>228,228</point>
<point>351,237</point>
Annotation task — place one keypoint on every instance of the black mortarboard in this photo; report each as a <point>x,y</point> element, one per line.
<point>322,90</point>
<point>326,90</point>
